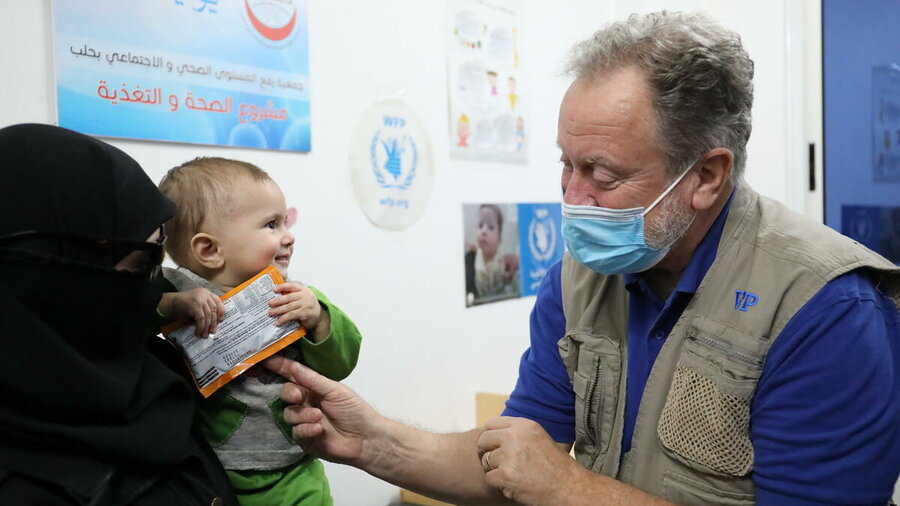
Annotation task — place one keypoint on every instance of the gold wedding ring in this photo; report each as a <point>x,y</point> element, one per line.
<point>487,461</point>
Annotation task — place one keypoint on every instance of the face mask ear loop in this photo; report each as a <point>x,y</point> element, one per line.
<point>668,190</point>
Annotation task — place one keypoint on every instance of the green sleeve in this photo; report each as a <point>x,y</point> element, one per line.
<point>336,355</point>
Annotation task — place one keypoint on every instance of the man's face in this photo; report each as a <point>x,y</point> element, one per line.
<point>609,157</point>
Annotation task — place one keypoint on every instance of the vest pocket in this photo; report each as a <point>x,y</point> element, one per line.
<point>593,363</point>
<point>593,384</point>
<point>705,421</point>
<point>584,385</point>
<point>592,410</point>
<point>684,490</point>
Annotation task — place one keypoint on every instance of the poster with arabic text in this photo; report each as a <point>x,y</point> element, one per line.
<point>217,72</point>
<point>487,97</point>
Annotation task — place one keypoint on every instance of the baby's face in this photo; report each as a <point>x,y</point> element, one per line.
<point>254,235</point>
<point>488,231</point>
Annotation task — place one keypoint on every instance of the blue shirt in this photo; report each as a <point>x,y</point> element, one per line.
<point>825,417</point>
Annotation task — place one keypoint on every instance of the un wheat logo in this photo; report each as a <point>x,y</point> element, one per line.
<point>387,156</point>
<point>542,235</point>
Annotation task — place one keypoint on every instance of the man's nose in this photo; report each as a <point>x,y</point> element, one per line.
<point>580,190</point>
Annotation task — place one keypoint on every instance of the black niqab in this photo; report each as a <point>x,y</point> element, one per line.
<point>81,394</point>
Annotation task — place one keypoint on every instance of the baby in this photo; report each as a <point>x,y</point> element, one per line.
<point>230,225</point>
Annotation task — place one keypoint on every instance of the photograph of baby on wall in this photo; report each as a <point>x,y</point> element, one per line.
<point>491,242</point>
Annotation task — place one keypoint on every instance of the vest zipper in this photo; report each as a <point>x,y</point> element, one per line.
<point>725,347</point>
<point>593,400</point>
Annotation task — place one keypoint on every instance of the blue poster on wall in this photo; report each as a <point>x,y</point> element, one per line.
<point>540,243</point>
<point>230,73</point>
<point>861,114</point>
<point>886,123</point>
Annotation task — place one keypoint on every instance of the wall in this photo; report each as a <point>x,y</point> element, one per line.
<point>424,355</point>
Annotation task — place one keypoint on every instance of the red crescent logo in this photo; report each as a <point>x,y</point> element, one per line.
<point>271,33</point>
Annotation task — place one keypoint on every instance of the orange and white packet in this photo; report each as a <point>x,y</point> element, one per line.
<point>245,336</point>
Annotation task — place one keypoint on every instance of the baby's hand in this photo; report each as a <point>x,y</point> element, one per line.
<point>197,304</point>
<point>296,302</point>
<point>510,266</point>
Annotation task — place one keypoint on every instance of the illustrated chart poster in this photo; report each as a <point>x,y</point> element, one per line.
<point>486,94</point>
<point>508,249</point>
<point>228,73</point>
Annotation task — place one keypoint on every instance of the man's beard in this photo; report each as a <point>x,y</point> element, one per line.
<point>670,224</point>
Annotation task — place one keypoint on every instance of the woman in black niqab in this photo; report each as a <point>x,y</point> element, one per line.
<point>88,415</point>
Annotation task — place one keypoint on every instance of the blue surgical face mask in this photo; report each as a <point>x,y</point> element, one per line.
<point>611,241</point>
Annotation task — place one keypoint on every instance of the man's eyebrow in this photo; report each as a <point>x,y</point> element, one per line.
<point>597,160</point>
<point>603,162</point>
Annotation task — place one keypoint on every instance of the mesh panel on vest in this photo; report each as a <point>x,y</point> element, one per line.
<point>706,425</point>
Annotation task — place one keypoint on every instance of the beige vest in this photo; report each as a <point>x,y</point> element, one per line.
<point>691,442</point>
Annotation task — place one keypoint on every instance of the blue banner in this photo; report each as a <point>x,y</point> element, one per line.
<point>229,72</point>
<point>540,243</point>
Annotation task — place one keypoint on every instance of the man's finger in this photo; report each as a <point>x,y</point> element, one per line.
<point>280,365</point>
<point>304,434</point>
<point>315,382</point>
<point>498,422</point>
<point>488,440</point>
<point>293,394</point>
<point>294,415</point>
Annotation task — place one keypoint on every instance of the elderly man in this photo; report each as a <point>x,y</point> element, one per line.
<point>700,343</point>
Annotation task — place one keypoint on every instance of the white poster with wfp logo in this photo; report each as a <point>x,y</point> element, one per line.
<point>391,165</point>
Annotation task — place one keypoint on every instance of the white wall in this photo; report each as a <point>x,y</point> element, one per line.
<point>424,355</point>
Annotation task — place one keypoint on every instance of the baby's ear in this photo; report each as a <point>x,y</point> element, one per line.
<point>205,250</point>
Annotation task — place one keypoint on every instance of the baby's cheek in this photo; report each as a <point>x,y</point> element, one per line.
<point>268,253</point>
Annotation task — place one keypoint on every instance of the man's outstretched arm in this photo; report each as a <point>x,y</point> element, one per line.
<point>331,421</point>
<point>524,464</point>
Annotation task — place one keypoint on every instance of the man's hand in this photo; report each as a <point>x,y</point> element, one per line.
<point>329,419</point>
<point>523,462</point>
<point>298,302</point>
<point>199,305</point>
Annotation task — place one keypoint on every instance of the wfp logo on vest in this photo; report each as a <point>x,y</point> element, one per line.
<point>744,300</point>
<point>542,235</point>
<point>394,154</point>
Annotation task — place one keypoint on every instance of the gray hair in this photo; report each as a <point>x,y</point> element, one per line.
<point>700,74</point>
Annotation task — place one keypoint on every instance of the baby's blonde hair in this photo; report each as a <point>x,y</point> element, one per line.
<point>201,188</point>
